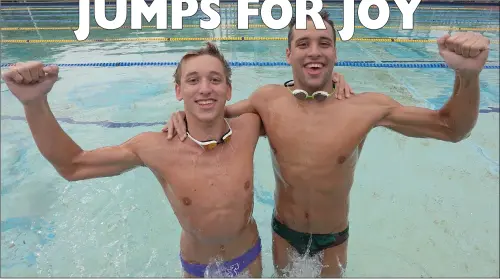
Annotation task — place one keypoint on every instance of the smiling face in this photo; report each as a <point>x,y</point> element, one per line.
<point>204,86</point>
<point>312,55</point>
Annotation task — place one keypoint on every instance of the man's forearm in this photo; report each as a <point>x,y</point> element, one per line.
<point>54,144</point>
<point>461,111</point>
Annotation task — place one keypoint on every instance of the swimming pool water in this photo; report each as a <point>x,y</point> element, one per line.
<point>419,207</point>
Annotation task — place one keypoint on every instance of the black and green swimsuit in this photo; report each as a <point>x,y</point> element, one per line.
<point>300,241</point>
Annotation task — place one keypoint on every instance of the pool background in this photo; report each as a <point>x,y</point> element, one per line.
<point>428,209</point>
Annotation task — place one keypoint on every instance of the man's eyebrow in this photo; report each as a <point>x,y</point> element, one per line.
<point>307,38</point>
<point>193,73</point>
<point>302,38</point>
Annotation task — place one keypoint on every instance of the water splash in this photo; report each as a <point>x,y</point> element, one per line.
<point>307,266</point>
<point>303,266</point>
<point>217,269</point>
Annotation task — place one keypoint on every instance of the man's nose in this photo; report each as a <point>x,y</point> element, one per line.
<point>314,51</point>
<point>205,87</point>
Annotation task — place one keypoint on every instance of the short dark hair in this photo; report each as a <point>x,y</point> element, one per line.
<point>209,49</point>
<point>324,15</point>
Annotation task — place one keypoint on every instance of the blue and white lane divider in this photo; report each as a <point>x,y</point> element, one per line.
<point>363,64</point>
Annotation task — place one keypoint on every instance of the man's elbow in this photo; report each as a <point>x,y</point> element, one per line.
<point>458,133</point>
<point>71,178</point>
<point>69,174</point>
<point>456,128</point>
<point>71,171</point>
<point>456,137</point>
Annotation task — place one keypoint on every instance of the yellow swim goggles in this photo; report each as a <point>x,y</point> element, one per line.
<point>211,144</point>
<point>303,95</point>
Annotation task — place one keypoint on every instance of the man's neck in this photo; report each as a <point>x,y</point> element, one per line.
<point>206,130</point>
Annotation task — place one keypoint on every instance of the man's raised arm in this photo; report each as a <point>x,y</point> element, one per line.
<point>466,53</point>
<point>30,83</point>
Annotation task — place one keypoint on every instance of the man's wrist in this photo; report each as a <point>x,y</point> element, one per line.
<point>42,101</point>
<point>467,74</point>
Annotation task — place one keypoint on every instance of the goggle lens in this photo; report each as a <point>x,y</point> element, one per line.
<point>320,97</point>
<point>301,95</point>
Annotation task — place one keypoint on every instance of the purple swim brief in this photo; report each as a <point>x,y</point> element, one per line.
<point>230,268</point>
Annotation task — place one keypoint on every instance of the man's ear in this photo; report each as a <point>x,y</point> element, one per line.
<point>288,55</point>
<point>335,55</point>
<point>229,94</point>
<point>178,95</point>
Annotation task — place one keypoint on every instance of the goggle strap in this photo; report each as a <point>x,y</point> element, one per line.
<point>207,143</point>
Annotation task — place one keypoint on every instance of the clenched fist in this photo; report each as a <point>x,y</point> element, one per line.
<point>465,52</point>
<point>30,81</point>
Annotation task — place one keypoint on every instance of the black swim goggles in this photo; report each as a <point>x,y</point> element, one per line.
<point>303,95</point>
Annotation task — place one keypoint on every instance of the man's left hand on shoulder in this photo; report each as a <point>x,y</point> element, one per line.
<point>464,52</point>
<point>342,89</point>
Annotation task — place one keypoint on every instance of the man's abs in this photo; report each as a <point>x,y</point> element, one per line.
<point>311,211</point>
<point>310,199</point>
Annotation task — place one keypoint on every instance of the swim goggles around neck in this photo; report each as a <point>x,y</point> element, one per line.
<point>211,144</point>
<point>303,95</point>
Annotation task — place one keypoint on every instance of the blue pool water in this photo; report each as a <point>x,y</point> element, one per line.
<point>419,207</point>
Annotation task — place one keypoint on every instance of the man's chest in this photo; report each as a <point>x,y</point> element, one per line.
<point>322,131</point>
<point>197,181</point>
<point>229,164</point>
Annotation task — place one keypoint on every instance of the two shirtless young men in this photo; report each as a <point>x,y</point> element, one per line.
<point>207,172</point>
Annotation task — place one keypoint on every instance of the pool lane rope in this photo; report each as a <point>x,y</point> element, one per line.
<point>362,64</point>
<point>184,39</point>
<point>73,28</point>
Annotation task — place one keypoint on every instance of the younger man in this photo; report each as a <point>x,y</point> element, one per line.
<point>208,179</point>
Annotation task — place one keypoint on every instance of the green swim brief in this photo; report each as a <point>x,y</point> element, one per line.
<point>300,241</point>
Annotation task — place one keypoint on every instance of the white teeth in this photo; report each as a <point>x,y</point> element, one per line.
<point>314,65</point>
<point>205,102</point>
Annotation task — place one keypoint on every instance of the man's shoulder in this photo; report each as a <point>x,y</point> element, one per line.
<point>153,142</point>
<point>375,104</point>
<point>266,90</point>
<point>149,135</point>
<point>271,86</point>
<point>147,138</point>
<point>265,94</point>
<point>372,98</point>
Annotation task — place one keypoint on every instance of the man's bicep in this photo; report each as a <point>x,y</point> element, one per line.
<point>107,161</point>
<point>414,121</point>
